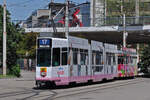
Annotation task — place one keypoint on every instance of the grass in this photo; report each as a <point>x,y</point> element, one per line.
<point>7,76</point>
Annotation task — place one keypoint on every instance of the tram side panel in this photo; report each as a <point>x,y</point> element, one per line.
<point>60,66</point>
<point>127,62</point>
<point>97,61</point>
<point>79,70</point>
<point>111,61</point>
<point>134,64</point>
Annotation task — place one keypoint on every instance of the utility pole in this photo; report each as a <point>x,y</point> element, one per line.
<point>50,12</point>
<point>4,39</point>
<point>121,2</point>
<point>67,20</point>
<point>123,16</point>
<point>121,11</point>
<point>137,11</point>
<point>92,12</point>
<point>124,31</point>
<point>105,11</point>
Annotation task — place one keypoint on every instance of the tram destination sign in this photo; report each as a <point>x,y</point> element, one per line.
<point>44,43</point>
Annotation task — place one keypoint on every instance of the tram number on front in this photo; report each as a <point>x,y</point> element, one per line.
<point>44,43</point>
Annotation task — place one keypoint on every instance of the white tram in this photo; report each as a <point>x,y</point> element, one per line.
<point>74,60</point>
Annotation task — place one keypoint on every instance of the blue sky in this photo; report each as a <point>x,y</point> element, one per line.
<point>21,9</point>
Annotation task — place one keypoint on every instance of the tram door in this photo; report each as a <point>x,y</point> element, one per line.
<point>83,62</point>
<point>97,63</point>
<point>110,63</point>
<point>93,62</point>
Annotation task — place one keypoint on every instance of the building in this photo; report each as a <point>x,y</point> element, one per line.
<point>84,15</point>
<point>98,12</point>
<point>41,17</point>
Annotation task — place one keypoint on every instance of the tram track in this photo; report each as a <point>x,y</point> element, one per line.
<point>58,93</point>
<point>95,88</point>
<point>9,94</point>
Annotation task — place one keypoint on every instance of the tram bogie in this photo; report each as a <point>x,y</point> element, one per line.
<point>76,60</point>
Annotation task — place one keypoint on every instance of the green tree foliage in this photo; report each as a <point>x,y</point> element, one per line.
<point>114,7</point>
<point>145,8</point>
<point>13,38</point>
<point>28,45</point>
<point>145,58</point>
<point>16,70</point>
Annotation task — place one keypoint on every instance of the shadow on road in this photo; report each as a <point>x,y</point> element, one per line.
<point>74,85</point>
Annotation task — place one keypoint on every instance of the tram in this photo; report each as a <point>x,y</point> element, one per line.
<point>76,60</point>
<point>127,62</point>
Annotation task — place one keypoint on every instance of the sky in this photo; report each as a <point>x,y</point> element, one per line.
<point>22,9</point>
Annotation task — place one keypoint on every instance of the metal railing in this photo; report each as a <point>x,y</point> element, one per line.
<point>108,21</point>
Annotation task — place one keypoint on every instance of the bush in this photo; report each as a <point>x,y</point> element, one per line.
<point>15,70</point>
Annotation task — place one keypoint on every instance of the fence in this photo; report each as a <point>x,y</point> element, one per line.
<point>108,21</point>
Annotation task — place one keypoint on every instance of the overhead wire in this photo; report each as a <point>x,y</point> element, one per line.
<point>24,3</point>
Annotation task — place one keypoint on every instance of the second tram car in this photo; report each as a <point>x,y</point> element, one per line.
<point>127,62</point>
<point>75,60</point>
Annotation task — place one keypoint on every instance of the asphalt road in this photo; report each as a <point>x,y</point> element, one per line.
<point>24,89</point>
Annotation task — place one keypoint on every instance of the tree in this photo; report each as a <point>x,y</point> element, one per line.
<point>13,38</point>
<point>145,59</point>
<point>114,7</point>
<point>28,45</point>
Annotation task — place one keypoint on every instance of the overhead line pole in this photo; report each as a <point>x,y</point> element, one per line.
<point>67,20</point>
<point>4,39</point>
<point>124,31</point>
<point>124,24</point>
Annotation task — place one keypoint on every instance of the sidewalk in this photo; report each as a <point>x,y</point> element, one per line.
<point>27,74</point>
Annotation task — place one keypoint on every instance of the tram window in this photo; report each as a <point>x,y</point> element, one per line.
<point>98,58</point>
<point>108,59</point>
<point>64,56</point>
<point>75,56</point>
<point>127,60</point>
<point>131,58</point>
<point>114,60</point>
<point>134,59</point>
<point>83,58</point>
<point>120,60</point>
<point>44,57</point>
<point>93,55</point>
<point>56,56</point>
<point>83,54</point>
<point>64,49</point>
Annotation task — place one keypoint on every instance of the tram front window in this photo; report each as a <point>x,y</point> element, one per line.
<point>44,57</point>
